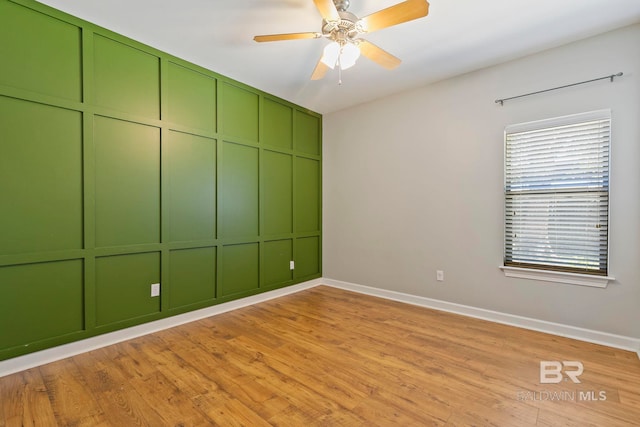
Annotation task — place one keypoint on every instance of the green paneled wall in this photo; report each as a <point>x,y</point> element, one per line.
<point>278,194</point>
<point>308,256</point>
<point>40,177</point>
<point>277,127</point>
<point>122,166</point>
<point>239,112</point>
<point>193,274</point>
<point>122,287</point>
<point>192,97</point>
<point>125,79</point>
<point>306,130</point>
<point>127,182</point>
<point>277,255</point>
<point>308,195</point>
<point>240,269</point>
<point>191,178</point>
<point>239,198</point>
<point>40,301</point>
<point>40,54</point>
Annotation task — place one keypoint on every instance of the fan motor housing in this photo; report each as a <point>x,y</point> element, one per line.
<point>346,28</point>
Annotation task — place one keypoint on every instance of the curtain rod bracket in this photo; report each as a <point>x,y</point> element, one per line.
<point>610,77</point>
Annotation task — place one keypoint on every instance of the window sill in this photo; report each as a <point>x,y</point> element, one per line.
<point>558,276</point>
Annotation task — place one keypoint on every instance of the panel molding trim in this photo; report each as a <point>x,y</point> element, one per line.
<point>139,152</point>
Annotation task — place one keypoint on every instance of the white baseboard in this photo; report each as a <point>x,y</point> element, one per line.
<point>28,361</point>
<point>596,337</point>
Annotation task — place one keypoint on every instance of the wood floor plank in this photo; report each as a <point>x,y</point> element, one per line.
<point>24,400</point>
<point>37,409</point>
<point>329,357</point>
<point>220,406</point>
<point>357,377</point>
<point>255,393</point>
<point>12,396</point>
<point>110,385</point>
<point>307,394</point>
<point>72,402</point>
<point>214,365</point>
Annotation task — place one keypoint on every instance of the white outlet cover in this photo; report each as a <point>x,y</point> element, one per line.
<point>292,265</point>
<point>440,276</point>
<point>155,289</point>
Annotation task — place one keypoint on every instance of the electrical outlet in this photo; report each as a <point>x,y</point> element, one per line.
<point>155,289</point>
<point>292,265</point>
<point>440,275</point>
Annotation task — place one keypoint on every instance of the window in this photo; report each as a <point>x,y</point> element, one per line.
<point>557,197</point>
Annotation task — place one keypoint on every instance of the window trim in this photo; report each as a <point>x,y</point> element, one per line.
<point>557,276</point>
<point>550,275</point>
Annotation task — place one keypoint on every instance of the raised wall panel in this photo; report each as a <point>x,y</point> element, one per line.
<point>277,125</point>
<point>145,169</point>
<point>40,177</point>
<point>192,187</point>
<point>193,276</point>
<point>238,207</point>
<point>40,301</point>
<point>277,256</point>
<point>307,256</point>
<point>127,187</point>
<point>307,185</point>
<point>192,98</point>
<point>240,269</point>
<point>307,133</point>
<point>39,53</point>
<point>126,79</point>
<point>123,287</point>
<point>239,113</point>
<point>278,193</point>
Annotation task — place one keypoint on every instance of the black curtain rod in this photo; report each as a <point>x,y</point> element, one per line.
<point>611,77</point>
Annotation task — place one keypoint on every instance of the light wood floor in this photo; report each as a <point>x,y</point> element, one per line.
<point>333,358</point>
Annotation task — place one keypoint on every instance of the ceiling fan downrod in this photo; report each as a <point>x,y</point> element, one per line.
<point>341,5</point>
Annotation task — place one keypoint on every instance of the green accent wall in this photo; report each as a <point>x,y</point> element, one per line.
<point>122,166</point>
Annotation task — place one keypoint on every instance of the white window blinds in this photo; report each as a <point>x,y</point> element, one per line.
<point>557,194</point>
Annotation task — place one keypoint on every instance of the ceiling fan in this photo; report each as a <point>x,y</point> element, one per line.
<point>344,30</point>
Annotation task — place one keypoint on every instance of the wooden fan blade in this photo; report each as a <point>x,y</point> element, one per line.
<point>320,70</point>
<point>378,55</point>
<point>290,36</point>
<point>327,10</point>
<point>402,12</point>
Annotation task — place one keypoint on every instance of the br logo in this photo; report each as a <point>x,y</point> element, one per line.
<point>551,371</point>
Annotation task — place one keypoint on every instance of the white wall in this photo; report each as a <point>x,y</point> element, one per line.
<point>413,183</point>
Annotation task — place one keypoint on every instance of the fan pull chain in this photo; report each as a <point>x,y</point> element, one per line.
<point>340,67</point>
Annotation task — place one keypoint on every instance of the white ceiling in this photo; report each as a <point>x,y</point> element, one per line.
<point>456,37</point>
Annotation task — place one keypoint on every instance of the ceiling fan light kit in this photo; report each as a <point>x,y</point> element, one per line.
<point>344,56</point>
<point>343,29</point>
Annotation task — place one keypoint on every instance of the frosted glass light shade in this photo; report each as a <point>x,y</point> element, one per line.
<point>348,54</point>
<point>330,54</point>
